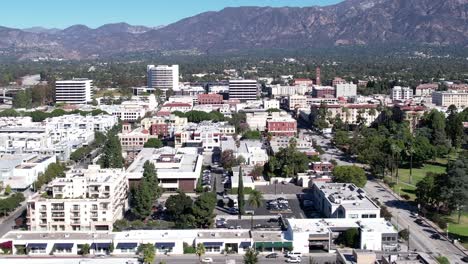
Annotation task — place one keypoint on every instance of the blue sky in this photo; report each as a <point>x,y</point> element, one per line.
<point>93,13</point>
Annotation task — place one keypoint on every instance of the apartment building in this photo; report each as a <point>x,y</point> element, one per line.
<point>210,99</point>
<point>402,93</point>
<point>445,99</point>
<point>338,80</point>
<point>163,77</point>
<point>352,113</point>
<point>426,89</point>
<point>323,91</point>
<point>345,89</point>
<point>133,140</point>
<point>302,144</point>
<point>75,91</point>
<point>132,110</point>
<point>282,126</point>
<point>85,200</point>
<point>303,82</point>
<point>19,171</point>
<point>177,168</point>
<point>279,90</point>
<point>244,90</point>
<point>343,200</point>
<point>175,106</point>
<point>163,125</point>
<point>206,134</point>
<point>297,101</point>
<point>271,104</point>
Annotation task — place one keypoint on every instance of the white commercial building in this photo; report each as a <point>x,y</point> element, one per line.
<point>402,93</point>
<point>163,77</point>
<point>279,90</point>
<point>243,90</point>
<point>313,234</point>
<point>344,200</point>
<point>177,168</point>
<point>445,99</point>
<point>85,200</point>
<point>345,89</point>
<point>19,171</point>
<point>75,91</point>
<point>271,104</point>
<point>206,134</point>
<point>297,101</point>
<point>132,110</point>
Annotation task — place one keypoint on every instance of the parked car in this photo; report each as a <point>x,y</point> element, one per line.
<point>294,260</point>
<point>290,254</point>
<point>435,236</point>
<point>465,259</point>
<point>207,260</point>
<point>272,255</point>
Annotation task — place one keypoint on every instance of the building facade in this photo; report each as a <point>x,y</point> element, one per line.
<point>244,90</point>
<point>345,89</point>
<point>85,200</point>
<point>445,99</point>
<point>75,91</point>
<point>163,77</point>
<point>402,93</point>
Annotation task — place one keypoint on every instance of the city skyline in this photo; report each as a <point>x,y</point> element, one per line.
<point>55,14</point>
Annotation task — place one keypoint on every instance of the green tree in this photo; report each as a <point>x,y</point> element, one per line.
<point>147,252</point>
<point>404,234</point>
<point>350,174</point>
<point>240,194</point>
<point>22,99</point>
<point>142,199</point>
<point>203,208</point>
<point>112,152</point>
<point>153,143</point>
<point>228,160</point>
<point>85,249</point>
<point>179,210</point>
<point>7,190</point>
<point>252,134</point>
<point>200,250</point>
<point>255,198</point>
<point>257,171</point>
<point>350,238</point>
<point>251,256</point>
<point>454,126</point>
<point>442,260</point>
<point>456,184</point>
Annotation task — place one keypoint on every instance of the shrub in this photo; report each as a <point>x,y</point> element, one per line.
<point>406,196</point>
<point>404,234</point>
<point>189,249</point>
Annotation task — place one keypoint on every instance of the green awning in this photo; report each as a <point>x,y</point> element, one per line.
<point>268,244</point>
<point>259,245</point>
<point>278,244</point>
<point>287,244</point>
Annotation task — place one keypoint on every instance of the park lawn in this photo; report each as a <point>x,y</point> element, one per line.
<point>402,189</point>
<point>459,230</point>
<point>419,173</point>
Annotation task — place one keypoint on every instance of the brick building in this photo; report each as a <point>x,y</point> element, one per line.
<point>282,126</point>
<point>210,99</point>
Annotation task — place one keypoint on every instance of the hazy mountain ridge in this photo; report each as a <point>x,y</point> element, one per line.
<point>362,22</point>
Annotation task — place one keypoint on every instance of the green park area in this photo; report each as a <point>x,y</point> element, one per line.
<point>459,230</point>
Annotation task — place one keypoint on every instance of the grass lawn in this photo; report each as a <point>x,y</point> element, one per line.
<point>459,230</point>
<point>419,173</point>
<point>403,188</point>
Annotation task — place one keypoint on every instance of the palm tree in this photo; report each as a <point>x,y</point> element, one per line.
<point>200,251</point>
<point>255,198</point>
<point>251,256</point>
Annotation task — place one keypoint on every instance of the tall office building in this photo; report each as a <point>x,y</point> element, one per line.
<point>163,77</point>
<point>243,90</point>
<point>75,91</point>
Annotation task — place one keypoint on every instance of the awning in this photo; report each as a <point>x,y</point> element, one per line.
<point>268,244</point>
<point>259,245</point>
<point>100,245</point>
<point>213,244</point>
<point>165,245</point>
<point>63,245</point>
<point>126,245</point>
<point>278,244</point>
<point>37,245</point>
<point>245,244</point>
<point>287,244</point>
<point>6,244</point>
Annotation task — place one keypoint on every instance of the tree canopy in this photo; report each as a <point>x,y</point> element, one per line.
<point>350,174</point>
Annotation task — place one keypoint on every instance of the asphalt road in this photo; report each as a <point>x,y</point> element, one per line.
<point>182,259</point>
<point>420,236</point>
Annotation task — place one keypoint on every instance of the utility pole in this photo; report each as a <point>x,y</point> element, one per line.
<point>409,236</point>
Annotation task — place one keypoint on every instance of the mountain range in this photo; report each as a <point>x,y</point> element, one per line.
<point>351,22</point>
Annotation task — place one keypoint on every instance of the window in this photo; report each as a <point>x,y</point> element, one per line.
<point>365,216</point>
<point>353,216</point>
<point>372,216</point>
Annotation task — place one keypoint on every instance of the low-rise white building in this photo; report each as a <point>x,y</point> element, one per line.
<point>445,99</point>
<point>85,200</point>
<point>402,93</point>
<point>19,171</point>
<point>344,200</point>
<point>206,134</point>
<point>177,168</point>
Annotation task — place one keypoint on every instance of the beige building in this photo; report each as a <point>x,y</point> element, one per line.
<point>350,113</point>
<point>297,101</point>
<point>85,200</point>
<point>445,99</point>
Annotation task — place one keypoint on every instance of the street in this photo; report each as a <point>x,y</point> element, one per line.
<point>420,236</point>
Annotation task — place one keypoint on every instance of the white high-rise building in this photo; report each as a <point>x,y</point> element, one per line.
<point>75,91</point>
<point>243,90</point>
<point>163,77</point>
<point>402,93</point>
<point>345,89</point>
